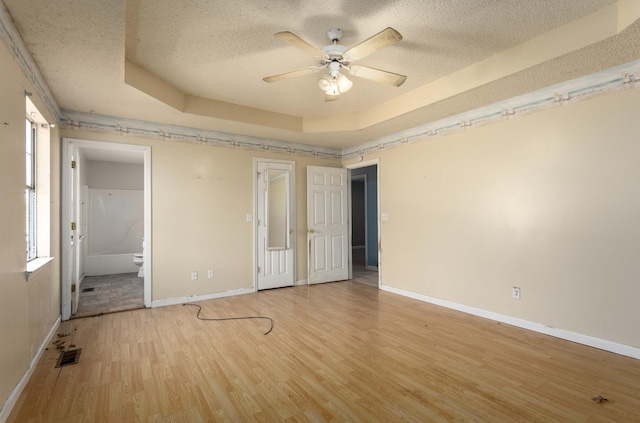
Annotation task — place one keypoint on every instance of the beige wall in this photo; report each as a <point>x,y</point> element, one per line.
<point>201,195</point>
<point>549,202</point>
<point>28,309</point>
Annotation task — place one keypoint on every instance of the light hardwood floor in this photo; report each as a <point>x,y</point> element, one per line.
<point>338,352</point>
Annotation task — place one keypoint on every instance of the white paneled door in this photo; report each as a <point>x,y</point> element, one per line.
<point>275,215</point>
<point>327,224</point>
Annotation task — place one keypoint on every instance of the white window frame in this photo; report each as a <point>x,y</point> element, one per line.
<point>31,130</point>
<point>38,214</point>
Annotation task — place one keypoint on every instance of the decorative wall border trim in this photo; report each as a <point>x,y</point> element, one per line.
<point>619,78</point>
<point>567,335</point>
<point>129,127</point>
<point>23,58</point>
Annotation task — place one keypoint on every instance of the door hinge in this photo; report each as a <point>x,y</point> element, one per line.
<point>73,164</point>
<point>73,288</point>
<point>258,269</point>
<point>73,226</point>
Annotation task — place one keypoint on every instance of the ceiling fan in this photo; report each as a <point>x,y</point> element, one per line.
<point>336,57</point>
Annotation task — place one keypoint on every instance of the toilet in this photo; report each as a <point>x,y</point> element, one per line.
<point>138,259</point>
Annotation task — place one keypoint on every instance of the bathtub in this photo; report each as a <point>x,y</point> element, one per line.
<point>115,231</point>
<point>109,264</point>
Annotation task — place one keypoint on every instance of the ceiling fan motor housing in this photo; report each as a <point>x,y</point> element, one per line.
<point>335,35</point>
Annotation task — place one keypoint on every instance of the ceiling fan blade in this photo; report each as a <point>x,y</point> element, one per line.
<point>369,46</point>
<point>292,74</point>
<point>328,97</point>
<point>376,75</point>
<point>299,43</point>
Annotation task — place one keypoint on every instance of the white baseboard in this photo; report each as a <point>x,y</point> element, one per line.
<point>579,338</point>
<point>192,298</point>
<point>302,282</point>
<point>372,268</point>
<point>15,394</point>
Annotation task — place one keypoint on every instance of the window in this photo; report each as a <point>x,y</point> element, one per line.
<point>30,191</point>
<point>37,193</point>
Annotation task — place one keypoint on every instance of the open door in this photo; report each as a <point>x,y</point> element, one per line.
<point>327,224</point>
<point>275,224</point>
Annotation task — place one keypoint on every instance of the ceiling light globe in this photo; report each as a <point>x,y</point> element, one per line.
<point>324,83</point>
<point>344,84</point>
<point>333,89</point>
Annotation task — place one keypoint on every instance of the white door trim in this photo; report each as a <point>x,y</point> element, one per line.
<point>65,233</point>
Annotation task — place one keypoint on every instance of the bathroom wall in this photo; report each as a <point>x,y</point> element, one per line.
<point>114,175</point>
<point>115,216</point>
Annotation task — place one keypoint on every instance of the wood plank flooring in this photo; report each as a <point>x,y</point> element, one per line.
<point>338,352</point>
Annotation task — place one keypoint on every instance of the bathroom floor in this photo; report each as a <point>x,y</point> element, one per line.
<point>110,293</point>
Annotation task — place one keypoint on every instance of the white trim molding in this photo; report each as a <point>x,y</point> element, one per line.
<point>194,298</point>
<point>15,394</point>
<point>567,335</point>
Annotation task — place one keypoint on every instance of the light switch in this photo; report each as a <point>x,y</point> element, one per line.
<point>249,217</point>
<point>385,217</point>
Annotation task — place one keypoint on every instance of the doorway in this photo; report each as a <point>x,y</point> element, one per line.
<point>106,202</point>
<point>364,223</point>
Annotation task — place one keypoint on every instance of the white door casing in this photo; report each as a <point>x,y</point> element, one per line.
<point>275,267</point>
<point>75,238</point>
<point>68,203</point>
<point>327,224</point>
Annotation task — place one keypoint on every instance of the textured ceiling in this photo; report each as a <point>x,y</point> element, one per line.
<point>221,50</point>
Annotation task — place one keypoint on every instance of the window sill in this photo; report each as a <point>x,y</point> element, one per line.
<point>36,265</point>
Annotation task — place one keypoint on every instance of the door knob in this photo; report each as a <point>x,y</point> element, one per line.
<point>290,230</point>
<point>311,231</point>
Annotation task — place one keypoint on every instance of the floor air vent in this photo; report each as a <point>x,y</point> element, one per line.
<point>69,357</point>
<point>88,289</point>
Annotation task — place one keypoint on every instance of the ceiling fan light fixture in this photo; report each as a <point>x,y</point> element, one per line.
<point>333,88</point>
<point>325,82</point>
<point>344,84</point>
<point>334,85</point>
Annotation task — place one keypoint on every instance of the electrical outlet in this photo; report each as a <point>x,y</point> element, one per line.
<point>515,292</point>
<point>210,273</point>
<point>194,276</point>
